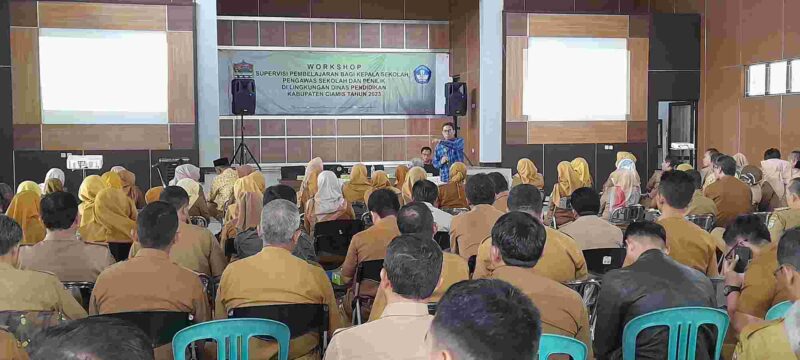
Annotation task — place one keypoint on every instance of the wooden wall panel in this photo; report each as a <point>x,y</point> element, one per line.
<point>577,132</point>
<point>722,108</point>
<point>515,76</point>
<point>27,102</point>
<point>181,77</point>
<point>760,125</point>
<point>723,30</point>
<point>639,50</point>
<point>98,137</point>
<point>102,16</point>
<point>762,31</point>
<point>604,26</point>
<point>790,132</point>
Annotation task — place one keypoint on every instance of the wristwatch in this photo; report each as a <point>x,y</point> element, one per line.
<point>727,290</point>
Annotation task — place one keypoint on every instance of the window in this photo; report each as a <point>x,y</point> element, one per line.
<point>795,85</point>
<point>777,77</point>
<point>757,80</point>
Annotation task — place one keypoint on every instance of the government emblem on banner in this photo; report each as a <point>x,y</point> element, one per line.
<point>422,74</point>
<point>243,70</point>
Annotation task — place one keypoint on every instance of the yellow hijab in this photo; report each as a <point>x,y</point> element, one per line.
<point>24,209</point>
<point>192,188</point>
<point>359,183</point>
<point>684,167</point>
<point>400,175</point>
<point>115,218</point>
<point>625,155</point>
<point>309,186</point>
<point>113,180</point>
<point>380,180</point>
<point>581,167</point>
<point>568,181</point>
<point>415,174</point>
<point>529,174</point>
<point>53,185</point>
<point>29,186</point>
<point>254,182</point>
<point>458,172</point>
<point>128,180</point>
<point>153,194</point>
<point>90,187</point>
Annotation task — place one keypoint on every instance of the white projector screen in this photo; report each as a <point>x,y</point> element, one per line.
<point>576,79</point>
<point>103,76</point>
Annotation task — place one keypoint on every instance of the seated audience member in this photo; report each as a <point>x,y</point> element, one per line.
<point>427,161</point>
<point>400,173</point>
<point>518,241</point>
<point>709,159</point>
<point>359,183</point>
<point>527,173</point>
<point>751,294</point>
<point>625,161</point>
<point>688,243</point>
<point>794,161</point>
<point>95,338</point>
<point>567,183</point>
<point>500,191</point>
<point>777,339</point>
<point>185,171</point>
<point>27,290</point>
<point>222,186</point>
<point>417,162</point>
<point>328,203</point>
<point>411,271</point>
<point>6,194</point>
<point>732,197</point>
<point>54,173</point>
<point>304,248</point>
<point>427,192</point>
<point>308,188</point>
<point>700,205</point>
<point>381,181</point>
<point>640,288</point>
<point>487,320</point>
<point>61,252</point>
<point>670,163</point>
<point>29,186</point>
<point>581,168</point>
<point>24,209</point>
<point>453,194</point>
<point>467,230</point>
<point>741,162</point>
<point>151,281</point>
<point>195,248</point>
<point>777,173</point>
<point>153,194</point>
<point>371,243</point>
<point>198,206</point>
<point>10,348</point>
<point>686,167</point>
<point>112,180</point>
<point>129,186</point>
<point>114,218</point>
<point>625,190</point>
<point>87,194</point>
<point>255,184</point>
<point>414,220</point>
<point>274,277</point>
<point>589,230</point>
<point>789,218</point>
<point>53,185</point>
<point>415,174</point>
<point>242,228</point>
<point>562,260</point>
<point>765,198</point>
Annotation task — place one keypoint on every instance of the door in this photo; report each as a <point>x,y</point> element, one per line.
<point>682,131</point>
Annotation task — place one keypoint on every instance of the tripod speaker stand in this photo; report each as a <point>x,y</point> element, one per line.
<point>243,93</point>
<point>242,155</point>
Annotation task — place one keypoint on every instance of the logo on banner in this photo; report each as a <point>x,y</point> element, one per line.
<point>243,70</point>
<point>422,74</point>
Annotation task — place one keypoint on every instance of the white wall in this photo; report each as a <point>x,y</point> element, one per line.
<point>207,82</point>
<point>491,81</point>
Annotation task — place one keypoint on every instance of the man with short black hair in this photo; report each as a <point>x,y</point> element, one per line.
<point>589,230</point>
<point>688,243</point>
<point>709,158</point>
<point>95,338</point>
<point>772,153</point>
<point>787,218</point>
<point>195,247</point>
<point>640,289</point>
<point>518,242</point>
<point>27,290</point>
<point>151,281</point>
<point>371,243</point>
<point>487,320</point>
<point>562,260</point>
<point>61,252</point>
<point>731,195</point>
<point>470,228</point>
<point>427,160</point>
<point>427,192</point>
<point>411,272</point>
<point>500,191</point>
<point>700,205</point>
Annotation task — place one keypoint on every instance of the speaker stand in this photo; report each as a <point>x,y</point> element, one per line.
<point>243,151</point>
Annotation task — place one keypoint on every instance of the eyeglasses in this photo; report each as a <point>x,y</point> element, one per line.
<point>447,130</point>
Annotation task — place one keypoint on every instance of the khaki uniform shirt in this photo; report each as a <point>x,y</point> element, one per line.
<point>470,228</point>
<point>399,334</point>
<point>68,259</point>
<point>701,205</point>
<point>501,202</point>
<point>593,232</point>
<point>454,269</point>
<point>690,245</point>
<point>274,276</point>
<point>766,340</point>
<point>196,249</point>
<point>561,259</point>
<point>36,291</point>
<point>10,348</point>
<point>561,308</point>
<point>369,244</point>
<point>782,220</point>
<point>732,197</point>
<point>760,290</point>
<point>452,196</point>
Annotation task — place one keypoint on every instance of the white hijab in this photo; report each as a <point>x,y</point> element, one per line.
<point>54,173</point>
<point>777,173</point>
<point>329,194</point>
<point>186,171</point>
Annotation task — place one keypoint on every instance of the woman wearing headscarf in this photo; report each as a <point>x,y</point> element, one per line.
<point>581,168</point>
<point>254,182</point>
<point>113,223</point>
<point>112,180</point>
<point>626,191</point>
<point>381,181</point>
<point>198,206</point>
<point>568,182</point>
<point>24,208</point>
<point>244,170</point>
<point>765,198</point>
<point>354,189</point>
<point>129,186</point>
<point>453,195</point>
<point>186,171</point>
<point>54,173</point>
<point>415,174</point>
<point>684,167</point>
<point>400,176</point>
<point>309,186</point>
<point>6,194</point>
<point>52,186</point>
<point>327,204</point>
<point>624,158</point>
<point>527,173</point>
<point>248,217</point>
<point>90,187</point>
<point>153,194</point>
<point>29,186</point>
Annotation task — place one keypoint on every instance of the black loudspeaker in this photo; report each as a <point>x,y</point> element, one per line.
<point>243,92</point>
<point>455,99</point>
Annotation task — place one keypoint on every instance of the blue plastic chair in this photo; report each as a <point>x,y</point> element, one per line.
<point>238,331</point>
<point>778,311</point>
<point>683,323</point>
<point>550,344</point>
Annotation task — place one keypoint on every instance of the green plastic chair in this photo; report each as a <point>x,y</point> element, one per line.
<point>550,344</point>
<point>238,331</point>
<point>683,323</point>
<point>778,311</point>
